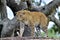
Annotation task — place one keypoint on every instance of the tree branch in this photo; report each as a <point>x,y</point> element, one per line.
<point>48,9</point>
<point>56,21</point>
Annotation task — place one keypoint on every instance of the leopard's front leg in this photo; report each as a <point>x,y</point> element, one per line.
<point>21,28</point>
<point>32,31</point>
<point>46,31</point>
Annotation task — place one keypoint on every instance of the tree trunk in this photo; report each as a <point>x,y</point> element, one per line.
<point>9,26</point>
<point>3,12</point>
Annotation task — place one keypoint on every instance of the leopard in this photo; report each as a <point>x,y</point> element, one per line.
<point>33,19</point>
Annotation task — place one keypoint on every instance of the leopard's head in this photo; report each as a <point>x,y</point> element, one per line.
<point>21,15</point>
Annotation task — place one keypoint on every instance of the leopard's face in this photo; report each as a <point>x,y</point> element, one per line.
<point>21,15</point>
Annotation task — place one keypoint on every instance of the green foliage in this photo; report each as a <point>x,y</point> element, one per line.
<point>54,32</point>
<point>37,34</point>
<point>51,34</point>
<point>56,29</point>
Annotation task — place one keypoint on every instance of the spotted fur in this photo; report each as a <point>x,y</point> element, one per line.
<point>32,19</point>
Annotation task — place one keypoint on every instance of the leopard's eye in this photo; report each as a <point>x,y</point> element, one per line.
<point>23,13</point>
<point>20,15</point>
